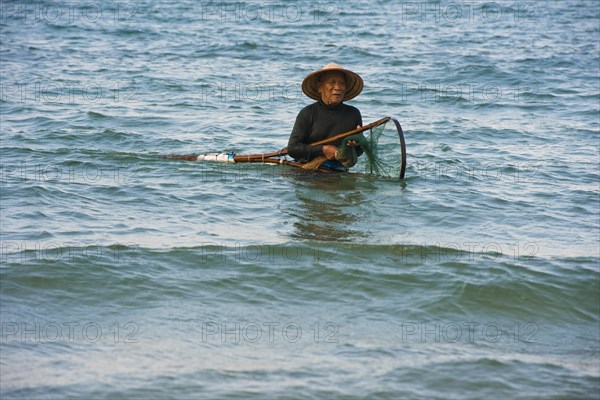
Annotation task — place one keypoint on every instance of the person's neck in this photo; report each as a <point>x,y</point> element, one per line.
<point>329,106</point>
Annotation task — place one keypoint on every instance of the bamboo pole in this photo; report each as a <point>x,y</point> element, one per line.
<point>283,152</point>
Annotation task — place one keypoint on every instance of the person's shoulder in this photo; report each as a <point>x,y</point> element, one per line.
<point>306,114</point>
<point>309,109</point>
<point>351,109</point>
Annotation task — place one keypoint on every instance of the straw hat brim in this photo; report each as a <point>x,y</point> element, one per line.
<point>354,83</point>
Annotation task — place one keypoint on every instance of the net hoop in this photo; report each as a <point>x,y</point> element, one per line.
<point>402,148</point>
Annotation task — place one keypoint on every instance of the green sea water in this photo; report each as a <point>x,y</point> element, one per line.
<point>126,275</point>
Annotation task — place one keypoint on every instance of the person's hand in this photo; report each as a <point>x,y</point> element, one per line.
<point>329,151</point>
<point>353,143</point>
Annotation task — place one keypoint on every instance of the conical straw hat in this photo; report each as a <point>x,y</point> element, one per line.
<point>354,83</point>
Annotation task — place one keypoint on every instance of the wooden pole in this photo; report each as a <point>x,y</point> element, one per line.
<point>283,152</point>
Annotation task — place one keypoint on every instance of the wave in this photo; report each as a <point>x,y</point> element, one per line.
<point>433,279</point>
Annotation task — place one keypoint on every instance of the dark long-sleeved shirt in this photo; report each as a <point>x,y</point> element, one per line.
<point>317,122</point>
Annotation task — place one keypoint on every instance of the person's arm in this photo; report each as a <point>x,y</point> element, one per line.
<point>359,149</point>
<point>298,146</point>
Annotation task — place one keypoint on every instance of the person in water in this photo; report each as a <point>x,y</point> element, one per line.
<point>330,86</point>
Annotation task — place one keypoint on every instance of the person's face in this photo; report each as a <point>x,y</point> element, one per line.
<point>332,87</point>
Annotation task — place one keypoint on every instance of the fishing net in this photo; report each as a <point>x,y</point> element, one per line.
<point>381,153</point>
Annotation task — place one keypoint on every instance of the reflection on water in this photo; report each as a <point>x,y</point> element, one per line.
<point>327,207</point>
